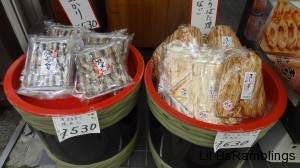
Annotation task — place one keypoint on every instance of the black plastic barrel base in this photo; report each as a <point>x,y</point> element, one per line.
<point>179,153</point>
<point>93,148</point>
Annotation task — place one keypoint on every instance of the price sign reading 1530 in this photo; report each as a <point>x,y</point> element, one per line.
<point>80,13</point>
<point>75,125</point>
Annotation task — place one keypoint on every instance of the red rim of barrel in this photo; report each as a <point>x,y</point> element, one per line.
<point>18,102</point>
<point>275,113</point>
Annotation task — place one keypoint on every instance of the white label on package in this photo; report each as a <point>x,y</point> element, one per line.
<point>248,86</point>
<point>227,105</point>
<point>235,140</point>
<point>48,62</point>
<point>80,13</point>
<point>204,14</point>
<point>203,115</point>
<point>226,42</point>
<point>75,125</point>
<point>101,66</point>
<point>212,89</point>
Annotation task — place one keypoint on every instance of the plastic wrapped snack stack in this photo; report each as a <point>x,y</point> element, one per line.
<point>58,30</point>
<point>94,38</point>
<point>185,33</point>
<point>49,67</point>
<point>101,70</point>
<point>123,39</point>
<point>176,76</point>
<point>222,37</point>
<point>189,78</point>
<point>241,90</point>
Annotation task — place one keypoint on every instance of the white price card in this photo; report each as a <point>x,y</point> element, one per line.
<point>235,140</point>
<point>204,14</point>
<point>75,125</point>
<point>80,13</point>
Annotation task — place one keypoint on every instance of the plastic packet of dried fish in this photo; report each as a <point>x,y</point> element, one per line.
<point>95,38</point>
<point>49,67</point>
<point>103,38</point>
<point>58,30</point>
<point>100,71</point>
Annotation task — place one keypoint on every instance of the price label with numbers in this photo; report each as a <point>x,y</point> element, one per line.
<point>75,125</point>
<point>235,140</point>
<point>80,13</point>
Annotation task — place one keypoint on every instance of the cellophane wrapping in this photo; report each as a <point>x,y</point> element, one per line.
<point>101,69</point>
<point>49,67</point>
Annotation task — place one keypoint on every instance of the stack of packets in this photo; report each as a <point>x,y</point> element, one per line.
<point>72,61</point>
<point>214,80</point>
<point>280,40</point>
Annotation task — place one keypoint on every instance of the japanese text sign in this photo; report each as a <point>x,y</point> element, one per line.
<point>204,14</point>
<point>75,125</point>
<point>80,13</point>
<point>235,140</point>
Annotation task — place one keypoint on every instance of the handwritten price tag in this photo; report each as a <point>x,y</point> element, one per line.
<point>71,126</point>
<point>80,13</point>
<point>235,140</point>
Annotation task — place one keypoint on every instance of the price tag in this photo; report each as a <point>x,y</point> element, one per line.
<point>204,14</point>
<point>80,13</point>
<point>75,125</point>
<point>235,140</point>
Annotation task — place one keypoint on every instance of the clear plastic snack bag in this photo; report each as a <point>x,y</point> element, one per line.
<point>189,80</point>
<point>49,68</point>
<point>58,30</point>
<point>100,70</point>
<point>187,34</point>
<point>94,38</point>
<point>241,90</point>
<point>222,37</point>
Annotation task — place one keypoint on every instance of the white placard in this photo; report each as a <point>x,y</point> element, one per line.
<point>75,125</point>
<point>235,140</point>
<point>204,14</point>
<point>80,13</point>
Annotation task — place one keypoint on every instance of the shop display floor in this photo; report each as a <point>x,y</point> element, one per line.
<point>28,150</point>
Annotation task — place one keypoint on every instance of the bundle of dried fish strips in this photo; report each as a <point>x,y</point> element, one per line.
<point>189,78</point>
<point>121,36</point>
<point>49,66</point>
<point>222,37</point>
<point>94,38</point>
<point>185,33</point>
<point>241,91</point>
<point>100,70</point>
<point>58,30</point>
